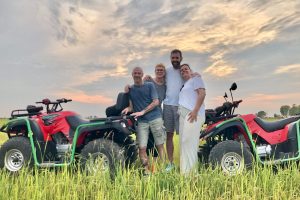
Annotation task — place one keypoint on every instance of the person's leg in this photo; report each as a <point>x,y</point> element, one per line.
<point>150,145</point>
<point>152,150</point>
<point>142,138</point>
<point>169,125</point>
<point>158,132</point>
<point>189,142</point>
<point>170,146</point>
<point>161,152</point>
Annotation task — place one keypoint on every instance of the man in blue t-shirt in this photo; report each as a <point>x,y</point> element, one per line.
<point>144,105</point>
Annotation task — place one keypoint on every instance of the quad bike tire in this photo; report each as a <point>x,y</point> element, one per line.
<point>232,156</point>
<point>103,155</point>
<point>15,154</point>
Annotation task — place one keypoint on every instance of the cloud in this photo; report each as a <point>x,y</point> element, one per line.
<point>220,69</point>
<point>81,97</point>
<point>292,69</point>
<point>134,30</point>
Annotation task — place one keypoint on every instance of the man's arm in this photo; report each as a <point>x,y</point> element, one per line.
<point>151,106</point>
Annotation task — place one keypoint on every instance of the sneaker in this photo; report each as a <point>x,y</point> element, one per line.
<point>146,174</point>
<point>170,167</point>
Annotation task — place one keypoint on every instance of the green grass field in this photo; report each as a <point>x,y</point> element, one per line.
<point>3,136</point>
<point>65,183</point>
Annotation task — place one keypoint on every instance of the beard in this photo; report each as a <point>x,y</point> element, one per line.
<point>176,64</point>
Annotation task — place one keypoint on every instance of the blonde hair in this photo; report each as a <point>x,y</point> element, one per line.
<point>160,65</point>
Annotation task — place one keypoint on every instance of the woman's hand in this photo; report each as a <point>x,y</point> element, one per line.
<point>192,116</point>
<point>147,78</point>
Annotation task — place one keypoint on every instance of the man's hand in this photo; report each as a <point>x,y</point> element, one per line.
<point>138,114</point>
<point>127,88</point>
<point>192,116</point>
<point>147,78</point>
<point>126,110</point>
<point>196,74</point>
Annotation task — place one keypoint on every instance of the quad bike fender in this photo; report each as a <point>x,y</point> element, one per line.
<point>233,123</point>
<point>221,127</point>
<point>13,126</point>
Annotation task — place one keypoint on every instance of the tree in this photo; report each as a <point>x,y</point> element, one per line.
<point>262,114</point>
<point>284,110</point>
<point>294,110</point>
<point>277,116</point>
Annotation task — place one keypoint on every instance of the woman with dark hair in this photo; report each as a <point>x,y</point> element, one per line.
<point>191,118</point>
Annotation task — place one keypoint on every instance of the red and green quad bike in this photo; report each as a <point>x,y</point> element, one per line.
<point>233,142</point>
<point>58,138</point>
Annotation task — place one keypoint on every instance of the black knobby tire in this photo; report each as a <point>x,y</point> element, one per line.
<point>109,154</point>
<point>131,154</point>
<point>15,154</point>
<point>232,156</point>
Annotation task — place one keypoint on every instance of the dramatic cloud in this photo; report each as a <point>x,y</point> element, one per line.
<point>292,69</point>
<point>86,49</point>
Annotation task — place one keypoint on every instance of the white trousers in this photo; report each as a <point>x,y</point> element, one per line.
<point>189,134</point>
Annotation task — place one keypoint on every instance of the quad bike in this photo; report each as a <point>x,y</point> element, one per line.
<point>233,141</point>
<point>60,138</point>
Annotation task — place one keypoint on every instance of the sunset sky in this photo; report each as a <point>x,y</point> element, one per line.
<point>85,50</point>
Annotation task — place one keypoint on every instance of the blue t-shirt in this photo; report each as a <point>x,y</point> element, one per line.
<point>141,96</point>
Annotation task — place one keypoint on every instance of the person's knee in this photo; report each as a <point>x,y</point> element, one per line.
<point>160,146</point>
<point>142,150</point>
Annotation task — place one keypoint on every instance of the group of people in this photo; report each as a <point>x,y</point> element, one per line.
<point>171,101</point>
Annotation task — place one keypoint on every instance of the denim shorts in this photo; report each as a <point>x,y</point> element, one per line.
<point>157,129</point>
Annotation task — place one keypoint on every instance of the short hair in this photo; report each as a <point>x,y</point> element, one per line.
<point>160,65</point>
<point>185,65</point>
<point>137,68</point>
<point>176,51</point>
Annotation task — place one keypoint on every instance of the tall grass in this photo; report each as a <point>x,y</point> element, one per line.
<point>3,136</point>
<point>66,183</point>
<point>259,183</point>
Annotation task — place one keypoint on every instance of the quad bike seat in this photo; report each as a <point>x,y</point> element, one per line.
<point>274,126</point>
<point>122,103</point>
<point>74,122</point>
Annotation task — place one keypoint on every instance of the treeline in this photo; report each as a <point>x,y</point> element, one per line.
<point>287,110</point>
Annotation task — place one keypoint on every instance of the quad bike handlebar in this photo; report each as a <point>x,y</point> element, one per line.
<point>128,121</point>
<point>58,101</point>
<point>225,111</point>
<point>227,108</point>
<point>56,105</point>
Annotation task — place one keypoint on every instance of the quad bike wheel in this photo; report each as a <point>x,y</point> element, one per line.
<point>15,154</point>
<point>102,155</point>
<point>233,157</point>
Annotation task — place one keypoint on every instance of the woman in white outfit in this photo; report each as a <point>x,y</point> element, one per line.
<point>192,117</point>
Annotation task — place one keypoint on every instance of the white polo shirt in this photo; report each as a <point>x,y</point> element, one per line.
<point>188,94</point>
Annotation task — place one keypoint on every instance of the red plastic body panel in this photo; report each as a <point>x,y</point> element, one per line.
<point>58,124</point>
<point>272,138</point>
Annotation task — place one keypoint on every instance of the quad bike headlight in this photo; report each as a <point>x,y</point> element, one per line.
<point>123,124</point>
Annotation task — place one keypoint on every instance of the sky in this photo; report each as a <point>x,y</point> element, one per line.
<point>85,50</point>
